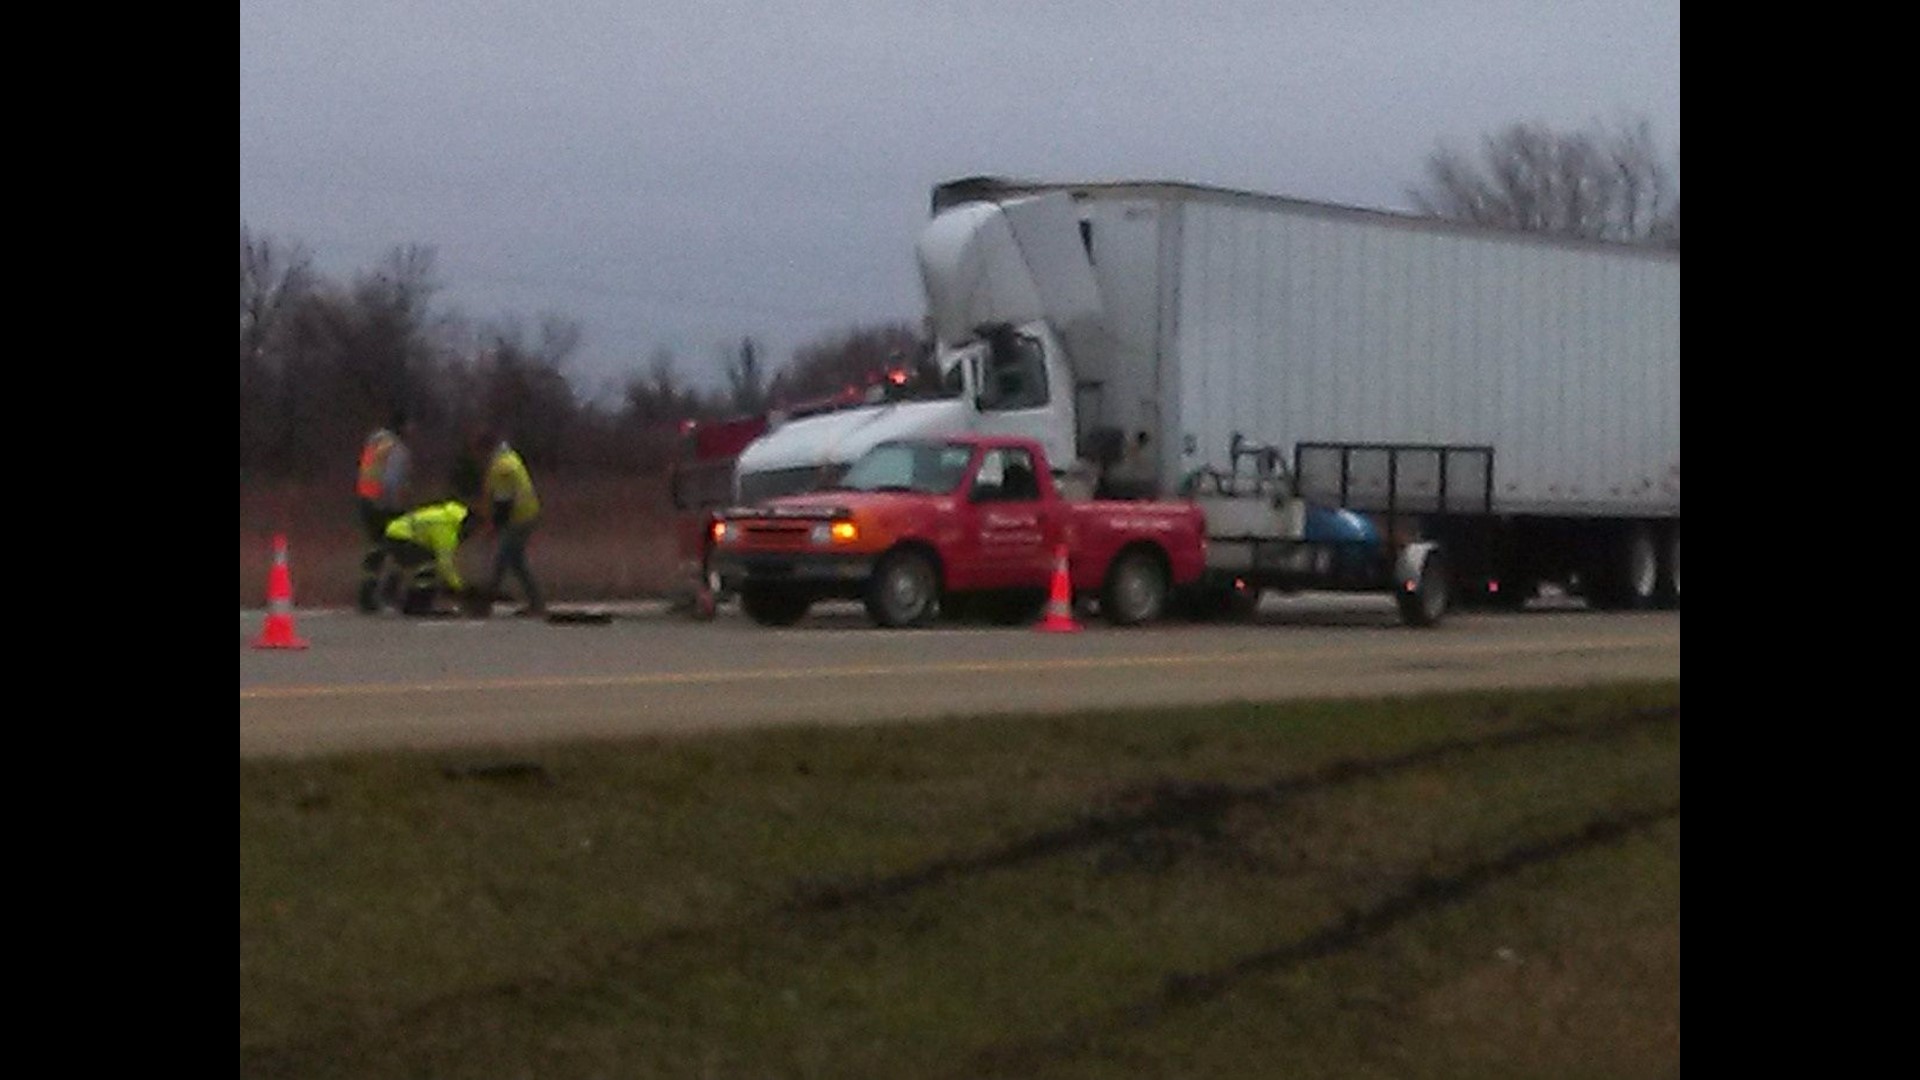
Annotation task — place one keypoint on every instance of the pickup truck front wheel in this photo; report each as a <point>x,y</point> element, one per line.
<point>1135,590</point>
<point>904,590</point>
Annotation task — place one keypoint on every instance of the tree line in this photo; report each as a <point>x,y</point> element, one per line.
<point>323,361</point>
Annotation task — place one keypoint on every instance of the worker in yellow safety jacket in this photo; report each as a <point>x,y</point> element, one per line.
<point>513,511</point>
<point>382,489</point>
<point>423,543</point>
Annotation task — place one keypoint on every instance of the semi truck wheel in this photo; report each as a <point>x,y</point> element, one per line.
<point>904,590</point>
<point>1669,596</point>
<point>1135,591</point>
<point>771,606</point>
<point>1426,603</point>
<point>1629,572</point>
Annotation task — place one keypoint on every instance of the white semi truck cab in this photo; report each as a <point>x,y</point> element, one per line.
<point>1008,288</point>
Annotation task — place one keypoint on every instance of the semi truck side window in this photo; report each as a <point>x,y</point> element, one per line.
<point>1016,374</point>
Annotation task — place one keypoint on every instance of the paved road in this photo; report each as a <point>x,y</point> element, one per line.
<point>391,682</point>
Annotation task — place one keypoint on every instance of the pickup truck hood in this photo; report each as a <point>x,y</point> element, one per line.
<point>837,438</point>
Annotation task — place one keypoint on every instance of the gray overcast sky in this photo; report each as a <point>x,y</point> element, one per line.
<point>680,173</point>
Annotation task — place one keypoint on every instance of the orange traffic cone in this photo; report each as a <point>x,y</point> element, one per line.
<point>278,632</point>
<point>1059,619</point>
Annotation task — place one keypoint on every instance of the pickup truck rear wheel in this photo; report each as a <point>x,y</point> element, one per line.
<point>904,590</point>
<point>1135,591</point>
<point>772,606</point>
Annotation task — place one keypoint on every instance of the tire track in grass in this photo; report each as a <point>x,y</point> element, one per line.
<point>1198,806</point>
<point>1419,895</point>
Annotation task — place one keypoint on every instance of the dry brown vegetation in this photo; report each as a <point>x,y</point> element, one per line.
<point>604,538</point>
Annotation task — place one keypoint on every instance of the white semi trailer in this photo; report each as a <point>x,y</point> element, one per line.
<point>1360,399</point>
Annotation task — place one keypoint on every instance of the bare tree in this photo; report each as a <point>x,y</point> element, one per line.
<point>273,278</point>
<point>274,281</point>
<point>524,389</point>
<point>746,379</point>
<point>1598,183</point>
<point>850,360</point>
<point>388,335</point>
<point>658,395</point>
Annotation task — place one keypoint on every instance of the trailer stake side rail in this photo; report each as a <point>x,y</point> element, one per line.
<point>1394,478</point>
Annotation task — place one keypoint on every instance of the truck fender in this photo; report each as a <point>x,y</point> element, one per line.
<point>1411,563</point>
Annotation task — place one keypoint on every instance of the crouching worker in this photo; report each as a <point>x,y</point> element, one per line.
<point>422,543</point>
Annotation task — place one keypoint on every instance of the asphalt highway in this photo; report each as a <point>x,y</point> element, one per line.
<point>387,682</point>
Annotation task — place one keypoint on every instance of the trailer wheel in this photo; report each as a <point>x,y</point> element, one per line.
<point>1669,595</point>
<point>773,606</point>
<point>904,590</point>
<point>1628,576</point>
<point>1426,602</point>
<point>1135,591</point>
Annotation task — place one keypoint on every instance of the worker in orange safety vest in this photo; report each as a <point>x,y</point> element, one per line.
<point>381,489</point>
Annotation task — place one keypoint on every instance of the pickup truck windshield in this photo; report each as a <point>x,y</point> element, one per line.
<point>930,468</point>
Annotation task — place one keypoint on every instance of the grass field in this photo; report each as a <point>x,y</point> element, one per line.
<point>1481,885</point>
<point>601,539</point>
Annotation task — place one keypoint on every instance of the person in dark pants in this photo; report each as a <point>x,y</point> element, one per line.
<point>513,512</point>
<point>382,489</point>
<point>422,544</point>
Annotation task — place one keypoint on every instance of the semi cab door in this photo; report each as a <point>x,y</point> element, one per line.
<point>1025,388</point>
<point>1007,527</point>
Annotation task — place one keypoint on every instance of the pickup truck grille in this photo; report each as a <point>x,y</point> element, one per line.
<point>776,535</point>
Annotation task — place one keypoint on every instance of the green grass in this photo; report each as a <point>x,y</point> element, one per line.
<point>1477,885</point>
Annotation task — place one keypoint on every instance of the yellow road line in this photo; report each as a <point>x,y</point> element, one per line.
<point>956,667</point>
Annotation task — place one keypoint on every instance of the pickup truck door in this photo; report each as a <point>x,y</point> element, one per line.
<point>1007,524</point>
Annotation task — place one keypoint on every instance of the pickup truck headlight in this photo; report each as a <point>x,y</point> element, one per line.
<point>725,532</point>
<point>835,532</point>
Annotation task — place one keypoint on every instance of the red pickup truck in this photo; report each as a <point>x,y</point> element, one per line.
<point>970,522</point>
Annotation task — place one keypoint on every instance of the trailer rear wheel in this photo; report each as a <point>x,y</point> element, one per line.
<point>773,606</point>
<point>1669,596</point>
<point>1628,575</point>
<point>1135,591</point>
<point>904,590</point>
<point>1426,602</point>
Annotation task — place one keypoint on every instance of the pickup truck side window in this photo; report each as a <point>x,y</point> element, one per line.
<point>1016,372</point>
<point>1006,476</point>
